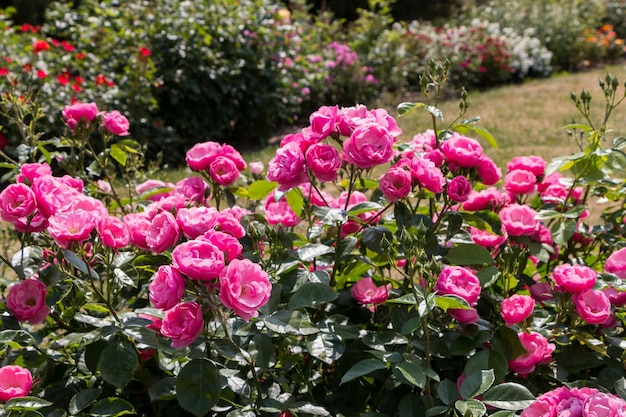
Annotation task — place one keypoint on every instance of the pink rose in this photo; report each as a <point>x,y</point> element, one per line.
<point>223,171</point>
<point>384,119</point>
<point>244,288</point>
<point>68,227</point>
<point>138,224</point>
<point>488,171</point>
<point>34,224</point>
<point>224,242</point>
<point>323,122</point>
<point>28,172</point>
<point>425,142</point>
<point>535,164</point>
<point>256,167</point>
<point>183,323</point>
<point>167,287</point>
<point>541,291</point>
<point>486,238</point>
<point>116,123</point>
<point>73,114</point>
<point>234,155</point>
<point>427,175</point>
<point>51,194</point>
<point>227,222</point>
<point>198,259</point>
<point>15,382</point>
<point>369,145</point>
<point>545,405</point>
<point>574,278</point>
<point>17,200</point>
<point>617,298</point>
<point>463,316</point>
<point>603,405</point>
<point>27,301</point>
<point>287,167</point>
<point>154,190</point>
<point>519,220</point>
<point>459,281</point>
<point>461,151</point>
<point>315,196</point>
<point>520,181</point>
<point>279,212</point>
<point>195,221</point>
<point>538,351</point>
<point>593,306</point>
<point>163,232</point>
<point>113,232</point>
<point>324,162</point>
<point>201,155</point>
<point>395,184</point>
<point>193,189</point>
<point>487,199</point>
<point>459,189</point>
<point>517,308</point>
<point>367,293</point>
<point>616,263</point>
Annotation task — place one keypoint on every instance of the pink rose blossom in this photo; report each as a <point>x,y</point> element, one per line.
<point>593,306</point>
<point>324,162</point>
<point>369,145</point>
<point>616,263</point>
<point>366,292</point>
<point>34,224</point>
<point>574,278</point>
<point>227,222</point>
<point>223,171</point>
<point>91,205</point>
<point>73,114</point>
<point>520,181</point>
<point>68,227</point>
<point>30,171</point>
<point>395,184</point>
<point>384,119</point>
<point>233,154</point>
<point>519,220</point>
<point>486,238</point>
<point>17,200</point>
<point>459,189</point>
<point>487,199</point>
<point>463,316</point>
<point>183,323</point>
<point>163,232</point>
<point>461,151</point>
<point>226,243</point>
<point>541,291</point>
<point>116,123</point>
<point>200,156</point>
<point>459,281</point>
<point>538,351</point>
<point>343,202</point>
<point>154,190</point>
<point>603,405</point>
<point>256,167</point>
<point>138,224</point>
<point>166,288</point>
<point>195,221</point>
<point>51,194</point>
<point>535,164</point>
<point>244,288</point>
<point>287,167</point>
<point>198,259</point>
<point>27,301</point>
<point>193,189</point>
<point>425,142</point>
<point>15,382</point>
<point>315,196</point>
<point>617,298</point>
<point>427,175</point>
<point>545,405</point>
<point>516,308</point>
<point>113,232</point>
<point>279,212</point>
<point>488,171</point>
<point>323,123</point>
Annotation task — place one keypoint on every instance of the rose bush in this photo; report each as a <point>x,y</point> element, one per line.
<point>365,274</point>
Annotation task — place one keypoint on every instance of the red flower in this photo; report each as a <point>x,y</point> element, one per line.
<point>55,42</point>
<point>4,141</point>
<point>63,78</point>
<point>41,74</point>
<point>27,67</point>
<point>79,55</point>
<point>145,51</point>
<point>67,46</point>
<point>77,88</point>
<point>41,45</point>
<point>78,79</point>
<point>4,72</point>
<point>102,80</point>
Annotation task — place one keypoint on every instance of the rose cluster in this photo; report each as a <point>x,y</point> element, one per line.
<point>578,402</point>
<point>86,113</point>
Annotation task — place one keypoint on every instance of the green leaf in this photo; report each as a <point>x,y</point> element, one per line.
<point>28,261</point>
<point>366,207</point>
<point>83,399</point>
<point>17,338</point>
<point>509,396</point>
<point>307,408</point>
<point>563,231</point>
<point>118,362</point>
<point>164,389</point>
<point>451,301</point>
<point>476,383</point>
<point>437,410</point>
<point>260,349</point>
<point>620,387</point>
<point>407,107</point>
<point>119,154</point>
<point>290,322</point>
<point>469,254</point>
<point>27,403</point>
<point>111,406</point>
<point>361,368</point>
<point>312,294</point>
<point>198,387</point>
<point>295,199</point>
<point>260,189</point>
<point>475,407</point>
<point>376,237</point>
<point>404,299</point>
<point>447,392</point>
<point>488,276</point>
<point>78,263</point>
<point>311,251</point>
<point>412,373</point>
<point>487,360</point>
<point>327,347</point>
<point>330,216</point>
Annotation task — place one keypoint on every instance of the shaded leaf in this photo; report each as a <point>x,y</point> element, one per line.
<point>111,406</point>
<point>509,396</point>
<point>198,387</point>
<point>83,399</point>
<point>118,362</point>
<point>361,368</point>
<point>312,294</point>
<point>469,254</point>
